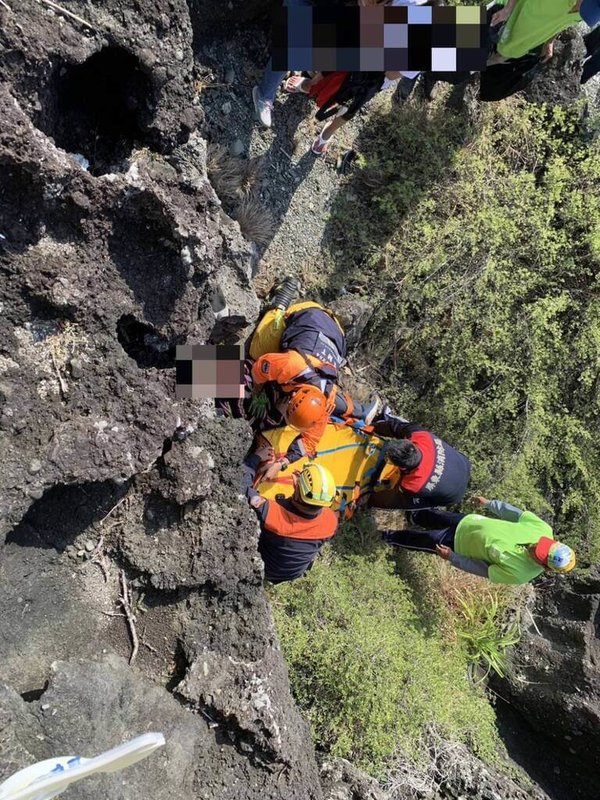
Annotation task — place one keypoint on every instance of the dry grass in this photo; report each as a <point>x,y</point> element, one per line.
<point>233,178</point>
<point>225,172</point>
<point>253,174</point>
<point>255,220</point>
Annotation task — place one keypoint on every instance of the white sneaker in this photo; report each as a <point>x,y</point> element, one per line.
<point>262,107</point>
<point>371,411</point>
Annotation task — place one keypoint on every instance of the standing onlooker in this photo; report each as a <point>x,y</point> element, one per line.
<point>535,23</point>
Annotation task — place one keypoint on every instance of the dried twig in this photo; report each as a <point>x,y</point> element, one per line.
<point>6,6</point>
<point>113,509</point>
<point>64,389</point>
<point>145,643</point>
<point>67,13</point>
<point>125,603</point>
<point>534,622</point>
<point>112,613</point>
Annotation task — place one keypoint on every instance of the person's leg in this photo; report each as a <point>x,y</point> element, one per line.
<point>433,518</point>
<point>323,140</point>
<point>264,93</point>
<point>592,40</point>
<point>591,67</point>
<point>425,541</point>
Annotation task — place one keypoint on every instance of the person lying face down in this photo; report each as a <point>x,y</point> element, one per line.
<point>421,469</point>
<point>293,529</point>
<point>512,547</point>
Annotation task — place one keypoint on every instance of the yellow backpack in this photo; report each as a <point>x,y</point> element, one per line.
<point>352,457</point>
<point>269,331</point>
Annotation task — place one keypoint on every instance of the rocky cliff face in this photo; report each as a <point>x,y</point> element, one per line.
<point>113,250</point>
<point>554,686</point>
<point>105,474</point>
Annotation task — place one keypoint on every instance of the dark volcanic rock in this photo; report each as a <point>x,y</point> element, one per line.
<point>558,81</point>
<point>98,90</point>
<point>220,16</point>
<point>554,680</point>
<point>342,781</point>
<point>106,473</point>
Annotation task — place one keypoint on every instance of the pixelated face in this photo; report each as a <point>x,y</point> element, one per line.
<point>209,371</point>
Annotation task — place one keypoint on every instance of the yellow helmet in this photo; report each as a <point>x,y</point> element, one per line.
<point>317,486</point>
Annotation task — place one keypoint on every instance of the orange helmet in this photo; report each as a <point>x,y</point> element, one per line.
<point>307,406</point>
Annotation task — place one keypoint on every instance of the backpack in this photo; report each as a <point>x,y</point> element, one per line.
<point>351,90</point>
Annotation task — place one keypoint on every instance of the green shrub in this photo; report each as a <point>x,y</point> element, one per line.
<point>479,238</point>
<point>368,674</point>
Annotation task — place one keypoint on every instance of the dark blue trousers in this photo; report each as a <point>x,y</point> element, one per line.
<point>440,529</point>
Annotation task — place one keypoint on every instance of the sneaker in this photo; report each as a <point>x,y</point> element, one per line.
<point>262,107</point>
<point>386,413</point>
<point>371,411</point>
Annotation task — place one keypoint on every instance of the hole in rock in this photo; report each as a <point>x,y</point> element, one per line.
<point>142,247</point>
<point>34,694</point>
<point>99,108</point>
<point>145,344</point>
<point>64,512</point>
<point>180,667</point>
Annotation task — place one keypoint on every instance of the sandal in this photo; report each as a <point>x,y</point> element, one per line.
<point>320,145</point>
<point>294,85</point>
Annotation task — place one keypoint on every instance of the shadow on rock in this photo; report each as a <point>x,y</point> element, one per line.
<point>147,258</point>
<point>64,512</point>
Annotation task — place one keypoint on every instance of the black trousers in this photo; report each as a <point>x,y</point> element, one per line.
<point>440,529</point>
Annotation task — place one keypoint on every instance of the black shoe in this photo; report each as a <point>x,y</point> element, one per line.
<point>387,536</point>
<point>287,291</point>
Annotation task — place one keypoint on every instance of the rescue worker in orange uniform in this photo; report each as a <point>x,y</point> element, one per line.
<point>306,373</point>
<point>293,529</point>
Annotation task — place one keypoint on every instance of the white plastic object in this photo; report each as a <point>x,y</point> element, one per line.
<point>49,778</point>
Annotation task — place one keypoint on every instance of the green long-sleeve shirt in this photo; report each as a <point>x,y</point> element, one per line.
<point>502,542</point>
<point>533,23</point>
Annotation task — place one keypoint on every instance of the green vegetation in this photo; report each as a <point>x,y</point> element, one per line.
<point>477,236</point>
<point>486,639</point>
<point>479,239</point>
<point>370,673</point>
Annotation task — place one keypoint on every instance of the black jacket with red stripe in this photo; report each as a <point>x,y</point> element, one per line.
<point>442,477</point>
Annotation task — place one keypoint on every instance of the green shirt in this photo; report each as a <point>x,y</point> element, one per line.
<point>533,23</point>
<point>502,545</point>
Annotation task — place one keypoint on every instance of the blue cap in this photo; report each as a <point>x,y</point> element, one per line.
<point>590,12</point>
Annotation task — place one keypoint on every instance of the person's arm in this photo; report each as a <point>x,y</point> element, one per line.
<point>262,454</point>
<point>499,508</point>
<point>249,468</point>
<point>395,428</point>
<point>502,15</point>
<point>471,565</point>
